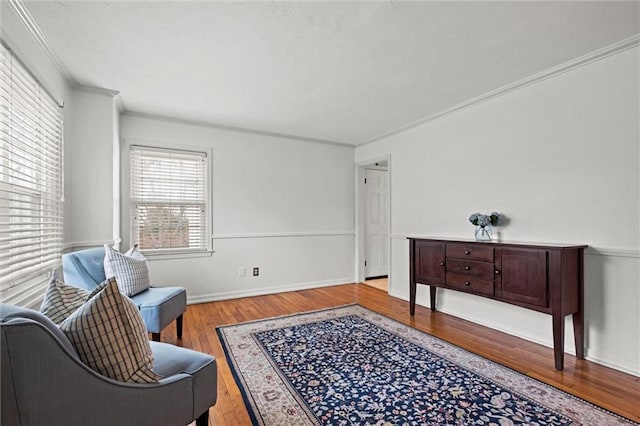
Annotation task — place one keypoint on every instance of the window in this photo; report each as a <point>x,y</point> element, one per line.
<point>169,200</point>
<point>30,183</point>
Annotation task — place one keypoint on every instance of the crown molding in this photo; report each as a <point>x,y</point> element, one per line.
<point>110,93</point>
<point>29,22</point>
<point>120,104</point>
<point>150,116</point>
<point>27,19</point>
<point>96,90</point>
<point>578,62</point>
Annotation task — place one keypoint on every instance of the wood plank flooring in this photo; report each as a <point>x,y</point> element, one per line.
<point>599,385</point>
<point>379,283</point>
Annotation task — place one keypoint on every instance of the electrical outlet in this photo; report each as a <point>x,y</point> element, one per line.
<point>242,272</point>
<point>256,271</point>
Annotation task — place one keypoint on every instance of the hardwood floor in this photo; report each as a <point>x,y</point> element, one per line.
<point>379,283</point>
<point>599,385</point>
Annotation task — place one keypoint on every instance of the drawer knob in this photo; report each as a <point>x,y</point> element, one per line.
<point>497,272</point>
<point>441,263</point>
<point>467,283</point>
<point>466,268</point>
<point>467,252</point>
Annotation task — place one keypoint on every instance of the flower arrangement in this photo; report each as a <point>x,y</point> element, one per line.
<point>483,220</point>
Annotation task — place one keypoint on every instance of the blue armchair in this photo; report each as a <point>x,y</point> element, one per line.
<point>44,382</point>
<point>159,306</point>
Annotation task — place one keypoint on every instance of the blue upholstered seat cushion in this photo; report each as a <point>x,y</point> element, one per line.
<point>170,360</point>
<point>160,305</point>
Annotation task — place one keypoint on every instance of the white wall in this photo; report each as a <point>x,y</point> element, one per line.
<point>90,162</point>
<point>283,205</point>
<point>560,159</point>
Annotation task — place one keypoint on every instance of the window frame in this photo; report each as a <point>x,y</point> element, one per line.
<point>127,207</point>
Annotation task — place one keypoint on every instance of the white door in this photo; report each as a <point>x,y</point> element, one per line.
<point>376,223</point>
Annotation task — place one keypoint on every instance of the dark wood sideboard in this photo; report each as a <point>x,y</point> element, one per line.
<point>545,278</point>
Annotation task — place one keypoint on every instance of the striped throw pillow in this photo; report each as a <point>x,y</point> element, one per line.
<point>110,337</point>
<point>61,300</point>
<point>130,270</point>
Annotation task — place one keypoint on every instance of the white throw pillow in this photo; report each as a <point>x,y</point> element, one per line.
<point>130,270</point>
<point>110,337</point>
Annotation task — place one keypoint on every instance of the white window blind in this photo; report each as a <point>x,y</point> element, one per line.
<point>169,202</point>
<point>31,222</point>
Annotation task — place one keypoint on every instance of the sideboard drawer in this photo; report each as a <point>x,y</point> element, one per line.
<point>470,284</point>
<point>472,268</point>
<point>470,251</point>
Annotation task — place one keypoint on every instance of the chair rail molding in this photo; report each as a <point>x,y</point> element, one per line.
<point>78,245</point>
<point>283,235</point>
<point>589,251</point>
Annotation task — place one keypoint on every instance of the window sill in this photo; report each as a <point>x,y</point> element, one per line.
<point>166,255</point>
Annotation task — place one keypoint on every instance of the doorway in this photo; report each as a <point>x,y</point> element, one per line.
<point>373,227</point>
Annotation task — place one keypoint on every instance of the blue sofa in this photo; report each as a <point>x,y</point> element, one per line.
<point>159,306</point>
<point>44,382</point>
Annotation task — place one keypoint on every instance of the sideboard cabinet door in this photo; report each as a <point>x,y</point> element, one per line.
<point>430,263</point>
<point>521,276</point>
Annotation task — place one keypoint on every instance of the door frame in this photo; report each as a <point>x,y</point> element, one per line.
<point>360,205</point>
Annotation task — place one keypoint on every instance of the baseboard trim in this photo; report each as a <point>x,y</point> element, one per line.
<point>616,364</point>
<point>569,349</point>
<point>213,297</point>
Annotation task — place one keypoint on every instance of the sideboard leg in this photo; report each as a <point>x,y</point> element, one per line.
<point>558,340</point>
<point>578,333</point>
<point>412,278</point>
<point>578,317</point>
<point>432,294</point>
<point>412,298</point>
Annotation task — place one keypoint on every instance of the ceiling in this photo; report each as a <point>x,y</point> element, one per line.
<point>346,72</point>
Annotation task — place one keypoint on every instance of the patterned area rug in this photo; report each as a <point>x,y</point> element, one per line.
<point>352,366</point>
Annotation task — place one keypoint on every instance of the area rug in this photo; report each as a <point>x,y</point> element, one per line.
<point>351,366</point>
